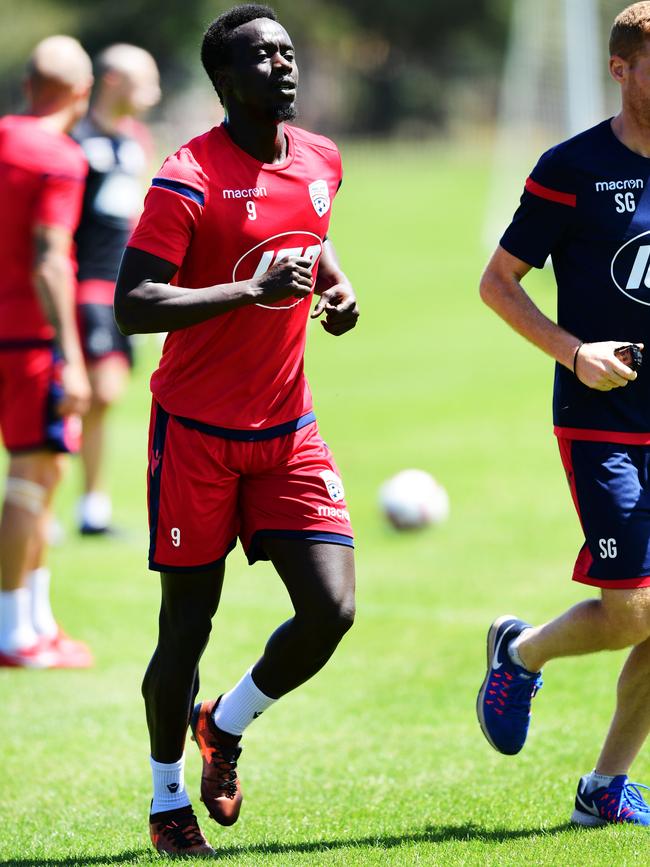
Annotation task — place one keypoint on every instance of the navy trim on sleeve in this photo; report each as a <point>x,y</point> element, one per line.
<point>180,188</point>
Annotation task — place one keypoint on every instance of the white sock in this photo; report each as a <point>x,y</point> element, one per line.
<point>95,510</point>
<point>43,620</point>
<point>16,630</point>
<point>239,707</point>
<point>595,781</point>
<point>169,791</point>
<point>513,651</point>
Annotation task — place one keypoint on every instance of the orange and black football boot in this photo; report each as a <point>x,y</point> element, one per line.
<point>220,788</point>
<point>176,832</point>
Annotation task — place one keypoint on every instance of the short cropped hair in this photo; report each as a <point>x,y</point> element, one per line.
<point>215,49</point>
<point>630,31</point>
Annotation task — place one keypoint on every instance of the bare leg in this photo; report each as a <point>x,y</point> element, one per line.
<point>189,601</point>
<point>620,619</point>
<point>108,379</point>
<point>320,580</point>
<point>19,527</point>
<point>38,550</point>
<point>631,723</point>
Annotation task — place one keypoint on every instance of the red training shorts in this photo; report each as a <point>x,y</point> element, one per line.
<point>30,388</point>
<point>207,488</point>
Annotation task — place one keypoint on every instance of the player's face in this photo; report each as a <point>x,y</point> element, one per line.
<point>636,86</point>
<point>137,90</point>
<point>262,75</point>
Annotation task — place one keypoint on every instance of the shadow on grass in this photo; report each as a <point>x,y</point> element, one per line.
<point>429,834</point>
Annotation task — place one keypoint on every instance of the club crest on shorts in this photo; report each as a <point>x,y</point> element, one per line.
<point>320,196</point>
<point>333,484</point>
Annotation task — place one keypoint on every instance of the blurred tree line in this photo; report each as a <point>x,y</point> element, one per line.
<point>367,66</point>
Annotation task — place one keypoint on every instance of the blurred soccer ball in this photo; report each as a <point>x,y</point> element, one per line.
<point>413,499</point>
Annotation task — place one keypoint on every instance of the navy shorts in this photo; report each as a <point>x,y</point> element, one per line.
<point>100,336</point>
<point>610,486</point>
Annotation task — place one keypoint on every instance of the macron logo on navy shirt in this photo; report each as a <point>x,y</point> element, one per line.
<point>628,184</point>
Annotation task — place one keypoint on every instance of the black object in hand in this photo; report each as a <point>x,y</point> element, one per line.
<point>630,355</point>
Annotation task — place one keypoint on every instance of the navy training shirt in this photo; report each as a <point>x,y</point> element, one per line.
<point>587,205</point>
<point>112,200</point>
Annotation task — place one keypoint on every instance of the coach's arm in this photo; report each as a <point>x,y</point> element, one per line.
<point>501,289</point>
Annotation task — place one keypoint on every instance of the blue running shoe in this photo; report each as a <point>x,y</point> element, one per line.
<point>619,802</point>
<point>503,703</point>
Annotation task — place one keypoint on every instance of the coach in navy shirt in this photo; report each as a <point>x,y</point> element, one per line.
<point>586,205</point>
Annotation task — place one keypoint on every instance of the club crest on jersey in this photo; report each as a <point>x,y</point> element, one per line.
<point>320,197</point>
<point>333,484</point>
<point>630,268</point>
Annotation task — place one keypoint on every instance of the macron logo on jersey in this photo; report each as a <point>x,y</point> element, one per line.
<point>628,184</point>
<point>251,193</point>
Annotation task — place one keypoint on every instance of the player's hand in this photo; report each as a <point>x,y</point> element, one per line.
<point>597,367</point>
<point>76,389</point>
<point>290,277</point>
<point>339,304</point>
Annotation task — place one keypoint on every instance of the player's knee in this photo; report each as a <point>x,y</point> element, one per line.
<point>25,494</point>
<point>185,632</point>
<point>629,620</point>
<point>336,620</point>
<point>104,396</point>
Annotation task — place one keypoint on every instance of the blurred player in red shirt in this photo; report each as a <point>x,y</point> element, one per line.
<point>230,248</point>
<point>43,382</point>
<point>118,150</point>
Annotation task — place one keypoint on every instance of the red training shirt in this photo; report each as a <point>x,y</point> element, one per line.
<point>222,216</point>
<point>42,177</point>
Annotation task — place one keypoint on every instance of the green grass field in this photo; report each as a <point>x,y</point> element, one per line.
<point>379,759</point>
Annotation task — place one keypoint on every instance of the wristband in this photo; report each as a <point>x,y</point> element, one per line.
<point>575,356</point>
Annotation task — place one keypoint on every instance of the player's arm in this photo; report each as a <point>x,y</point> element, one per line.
<point>595,365</point>
<point>337,298</point>
<point>146,303</point>
<point>54,283</point>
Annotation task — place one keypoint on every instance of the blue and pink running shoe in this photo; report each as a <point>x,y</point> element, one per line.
<point>503,703</point>
<point>617,803</point>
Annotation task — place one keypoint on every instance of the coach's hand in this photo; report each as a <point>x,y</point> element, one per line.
<point>76,389</point>
<point>597,367</point>
<point>339,304</point>
<point>290,277</point>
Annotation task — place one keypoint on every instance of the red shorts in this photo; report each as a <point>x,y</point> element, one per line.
<point>207,488</point>
<point>30,387</point>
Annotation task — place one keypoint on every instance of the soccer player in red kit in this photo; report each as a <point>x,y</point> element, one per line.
<point>43,382</point>
<point>228,252</point>
<point>118,149</point>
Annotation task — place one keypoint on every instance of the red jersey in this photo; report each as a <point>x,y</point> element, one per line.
<point>42,177</point>
<point>222,216</point>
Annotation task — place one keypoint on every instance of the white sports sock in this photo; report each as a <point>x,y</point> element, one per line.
<point>38,582</point>
<point>513,651</point>
<point>16,630</point>
<point>595,781</point>
<point>239,707</point>
<point>169,791</point>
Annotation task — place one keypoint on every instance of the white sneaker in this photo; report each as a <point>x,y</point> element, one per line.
<point>94,512</point>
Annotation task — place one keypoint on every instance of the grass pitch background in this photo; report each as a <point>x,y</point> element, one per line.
<point>379,759</point>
